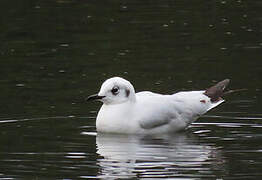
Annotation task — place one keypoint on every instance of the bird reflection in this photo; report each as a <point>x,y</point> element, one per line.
<point>181,155</point>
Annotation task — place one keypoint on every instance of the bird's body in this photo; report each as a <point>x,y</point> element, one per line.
<point>146,112</point>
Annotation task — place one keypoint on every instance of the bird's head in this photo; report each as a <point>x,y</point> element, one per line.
<point>115,90</point>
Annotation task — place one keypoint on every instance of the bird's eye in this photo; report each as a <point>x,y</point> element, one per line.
<point>115,90</point>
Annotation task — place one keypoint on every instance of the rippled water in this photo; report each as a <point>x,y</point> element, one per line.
<point>36,149</point>
<point>56,53</point>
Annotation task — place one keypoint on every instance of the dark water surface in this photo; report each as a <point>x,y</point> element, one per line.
<point>55,53</point>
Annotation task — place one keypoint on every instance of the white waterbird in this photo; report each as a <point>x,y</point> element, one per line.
<point>124,111</point>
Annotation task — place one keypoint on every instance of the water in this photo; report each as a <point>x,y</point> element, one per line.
<point>56,53</point>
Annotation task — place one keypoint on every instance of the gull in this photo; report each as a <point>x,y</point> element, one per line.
<point>126,112</point>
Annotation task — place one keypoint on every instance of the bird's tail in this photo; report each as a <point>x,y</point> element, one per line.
<point>216,92</point>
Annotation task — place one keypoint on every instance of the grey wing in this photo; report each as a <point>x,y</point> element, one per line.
<point>153,123</point>
<point>158,119</point>
<point>157,111</point>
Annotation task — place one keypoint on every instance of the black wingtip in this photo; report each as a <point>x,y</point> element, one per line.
<point>233,91</point>
<point>215,92</point>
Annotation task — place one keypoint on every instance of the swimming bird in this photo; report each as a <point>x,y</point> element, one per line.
<point>127,112</point>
